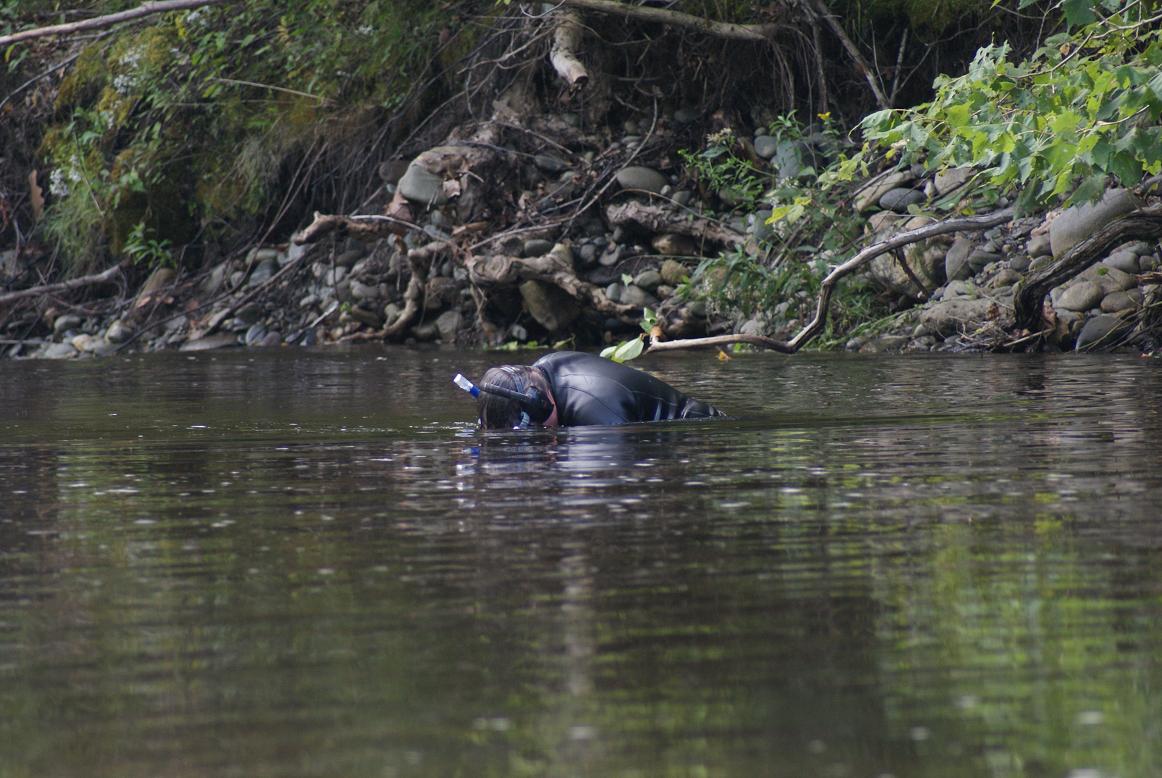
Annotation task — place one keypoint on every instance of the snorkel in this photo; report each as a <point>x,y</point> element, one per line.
<point>534,405</point>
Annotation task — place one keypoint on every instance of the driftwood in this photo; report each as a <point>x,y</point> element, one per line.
<point>864,256</point>
<point>1142,224</point>
<point>104,277</point>
<point>566,42</point>
<point>660,218</point>
<point>744,32</point>
<point>364,227</point>
<point>100,22</point>
<point>413,296</point>
<point>554,268</point>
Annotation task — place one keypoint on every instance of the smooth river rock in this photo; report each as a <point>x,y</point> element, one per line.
<point>1080,221</point>
<point>422,186</point>
<point>640,177</point>
<point>1080,296</point>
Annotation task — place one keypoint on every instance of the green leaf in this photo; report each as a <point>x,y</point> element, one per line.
<point>624,352</point>
<point>1078,12</point>
<point>958,115</point>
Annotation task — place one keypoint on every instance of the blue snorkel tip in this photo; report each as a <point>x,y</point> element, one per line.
<point>466,385</point>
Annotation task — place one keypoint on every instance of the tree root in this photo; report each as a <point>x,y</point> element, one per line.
<point>1142,224</point>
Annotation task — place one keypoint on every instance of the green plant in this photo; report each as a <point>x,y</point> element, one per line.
<point>720,167</point>
<point>146,250</point>
<point>633,348</point>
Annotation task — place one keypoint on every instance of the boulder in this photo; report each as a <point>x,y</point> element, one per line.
<point>448,324</point>
<point>948,317</point>
<point>548,305</point>
<point>536,247</point>
<point>1080,296</point>
<point>673,272</point>
<point>956,266</point>
<point>898,199</point>
<point>766,145</point>
<point>1116,302</point>
<point>1080,221</point>
<point>421,186</point>
<point>1100,331</point>
<point>953,178</point>
<point>869,196</point>
<point>1125,261</point>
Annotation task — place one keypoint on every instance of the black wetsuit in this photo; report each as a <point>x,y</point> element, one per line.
<point>594,390</point>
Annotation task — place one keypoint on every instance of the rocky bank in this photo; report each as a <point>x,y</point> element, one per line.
<point>628,224</point>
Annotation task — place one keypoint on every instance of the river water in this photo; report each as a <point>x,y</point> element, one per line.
<point>310,563</point>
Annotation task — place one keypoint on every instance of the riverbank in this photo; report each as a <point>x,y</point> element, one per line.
<point>558,198</point>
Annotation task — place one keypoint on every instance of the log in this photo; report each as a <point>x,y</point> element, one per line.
<point>100,22</point>
<point>566,43</point>
<point>1142,224</point>
<point>105,276</point>
<point>758,33</point>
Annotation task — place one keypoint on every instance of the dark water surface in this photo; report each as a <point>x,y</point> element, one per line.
<point>292,563</point>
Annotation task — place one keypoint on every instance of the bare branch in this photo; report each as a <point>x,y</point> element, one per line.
<point>861,65</point>
<point>966,224</point>
<point>721,340</point>
<point>758,33</point>
<point>100,22</point>
<point>863,257</point>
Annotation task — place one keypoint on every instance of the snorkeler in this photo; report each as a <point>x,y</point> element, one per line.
<point>570,389</point>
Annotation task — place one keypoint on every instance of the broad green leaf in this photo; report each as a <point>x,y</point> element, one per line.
<point>1078,12</point>
<point>958,115</point>
<point>1064,123</point>
<point>624,352</point>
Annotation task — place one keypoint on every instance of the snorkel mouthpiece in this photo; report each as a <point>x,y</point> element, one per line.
<point>466,385</point>
<point>533,403</point>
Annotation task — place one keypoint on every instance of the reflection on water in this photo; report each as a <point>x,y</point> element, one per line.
<point>312,564</point>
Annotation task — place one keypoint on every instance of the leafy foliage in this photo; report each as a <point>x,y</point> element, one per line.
<point>1082,109</point>
<point>200,116</point>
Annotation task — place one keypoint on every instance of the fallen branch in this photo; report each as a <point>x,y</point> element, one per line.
<point>660,218</point>
<point>563,55</point>
<point>1142,224</point>
<point>721,340</point>
<point>100,22</point>
<point>827,287</point>
<point>105,276</point>
<point>760,33</point>
<point>966,224</point>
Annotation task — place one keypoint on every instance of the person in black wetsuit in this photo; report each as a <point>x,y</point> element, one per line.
<point>570,389</point>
